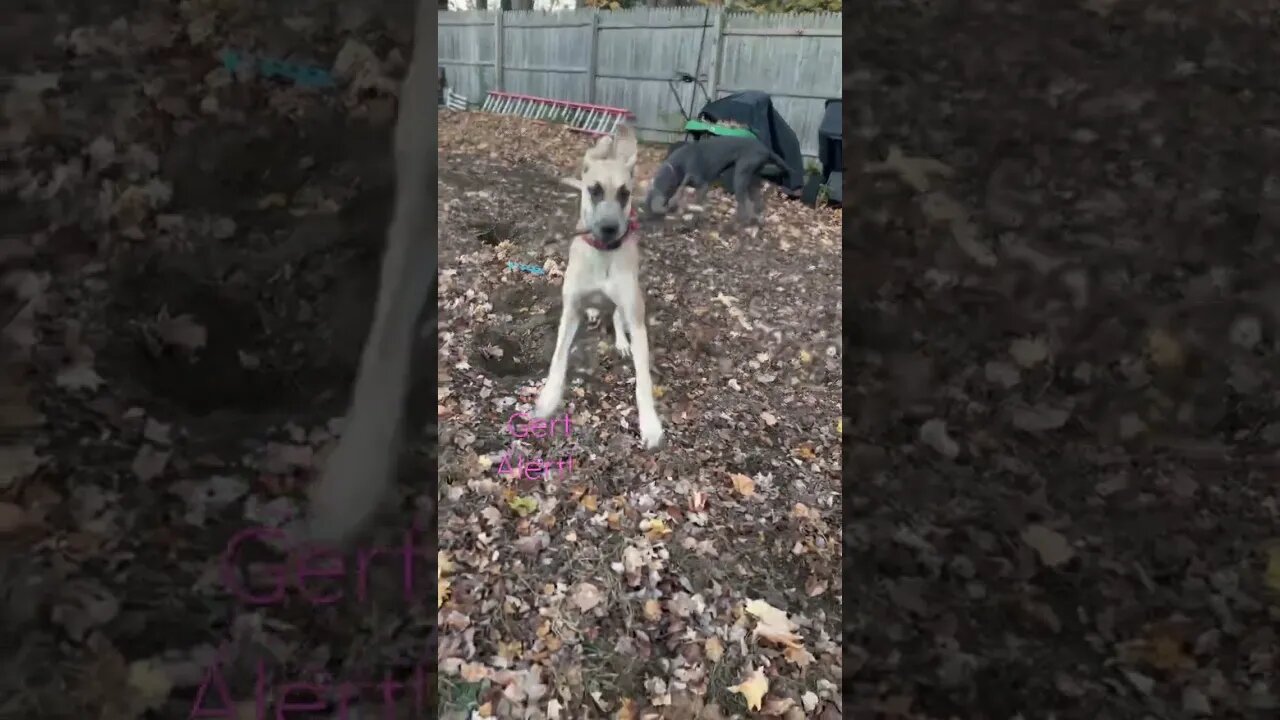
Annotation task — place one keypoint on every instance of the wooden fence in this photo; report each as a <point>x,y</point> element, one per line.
<point>627,58</point>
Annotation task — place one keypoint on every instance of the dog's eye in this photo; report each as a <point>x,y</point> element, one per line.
<point>623,195</point>
<point>597,192</point>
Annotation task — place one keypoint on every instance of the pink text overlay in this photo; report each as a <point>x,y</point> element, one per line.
<point>522,426</point>
<point>298,700</point>
<point>316,574</point>
<point>528,468</point>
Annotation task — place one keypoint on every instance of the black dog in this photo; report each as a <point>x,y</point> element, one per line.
<point>698,164</point>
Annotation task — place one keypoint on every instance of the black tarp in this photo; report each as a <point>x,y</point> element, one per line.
<point>831,151</point>
<point>755,110</point>
<point>831,140</point>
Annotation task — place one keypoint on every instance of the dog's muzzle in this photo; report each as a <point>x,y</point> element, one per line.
<point>610,235</point>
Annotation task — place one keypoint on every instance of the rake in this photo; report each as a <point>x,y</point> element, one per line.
<point>584,117</point>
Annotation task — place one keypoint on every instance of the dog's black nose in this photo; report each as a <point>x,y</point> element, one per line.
<point>608,231</point>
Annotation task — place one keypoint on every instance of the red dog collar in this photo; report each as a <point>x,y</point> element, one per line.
<point>632,226</point>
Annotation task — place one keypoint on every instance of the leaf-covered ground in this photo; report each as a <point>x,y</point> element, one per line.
<point>633,583</point>
<point>1064,361</point>
<point>188,258</point>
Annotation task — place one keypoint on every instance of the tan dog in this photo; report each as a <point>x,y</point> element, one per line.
<point>361,468</point>
<point>604,259</point>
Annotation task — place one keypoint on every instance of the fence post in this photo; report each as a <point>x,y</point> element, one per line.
<point>717,53</point>
<point>591,55</point>
<point>497,50</point>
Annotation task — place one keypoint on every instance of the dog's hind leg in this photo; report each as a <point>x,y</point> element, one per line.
<point>553,388</point>
<point>757,202</point>
<point>745,181</point>
<point>620,333</point>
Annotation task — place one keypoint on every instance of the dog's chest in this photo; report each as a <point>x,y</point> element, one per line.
<point>593,272</point>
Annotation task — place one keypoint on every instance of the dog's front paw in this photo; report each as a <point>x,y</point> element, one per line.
<point>650,431</point>
<point>623,345</point>
<point>547,402</point>
<point>593,314</point>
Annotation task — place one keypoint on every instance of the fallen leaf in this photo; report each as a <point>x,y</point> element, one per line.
<point>813,587</point>
<point>156,431</point>
<point>745,486</point>
<point>150,684</point>
<point>769,419</point>
<point>149,463</point>
<point>1003,374</point>
<point>652,610</point>
<point>182,331</point>
<point>1029,352</point>
<point>473,672</point>
<point>713,648</point>
<point>79,376</point>
<point>933,433</point>
<point>1050,545</point>
<point>12,518</point>
<point>1195,702</point>
<point>586,596</point>
<point>633,565</point>
<point>522,505</point>
<point>443,587</point>
<point>799,656</point>
<point>1039,418</point>
<point>656,530</point>
<point>697,501</point>
<point>776,706</point>
<point>1164,349</point>
<point>17,462</point>
<point>590,503</point>
<point>753,689</point>
<point>274,200</point>
<point>1165,652</point>
<point>774,625</point>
